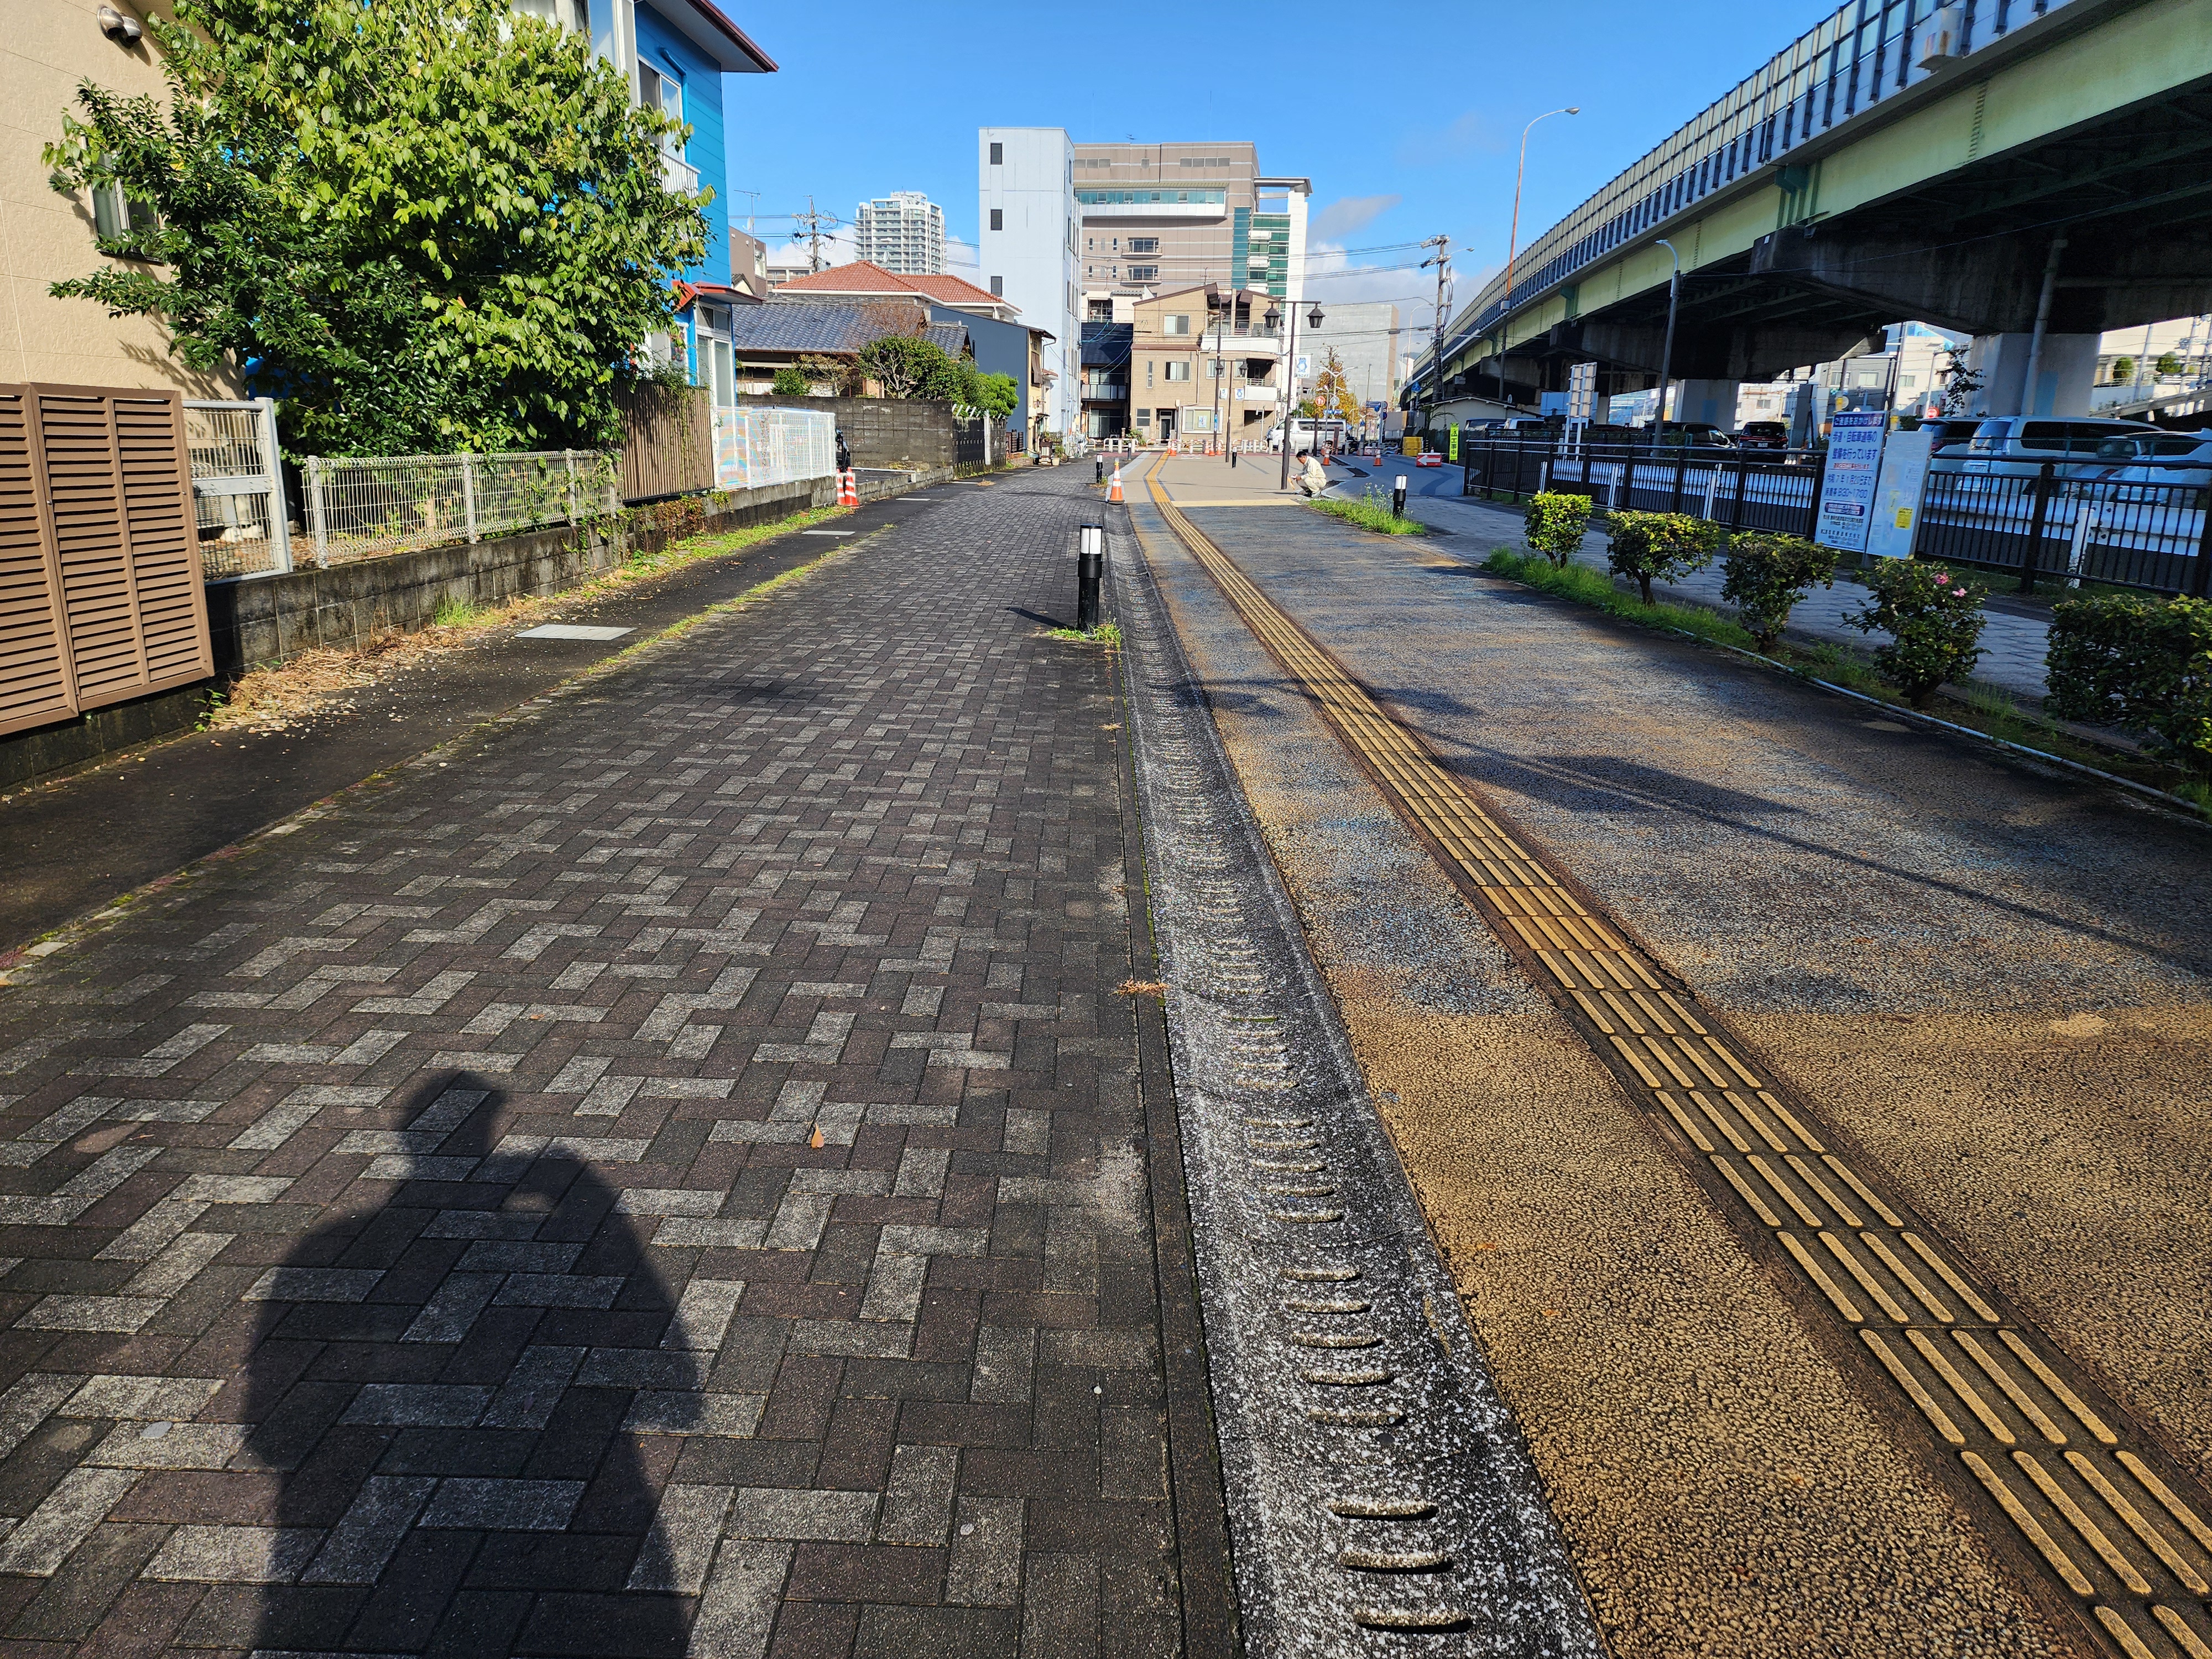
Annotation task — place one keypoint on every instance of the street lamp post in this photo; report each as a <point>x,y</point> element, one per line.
<point>1513,236</point>
<point>1290,374</point>
<point>1667,348</point>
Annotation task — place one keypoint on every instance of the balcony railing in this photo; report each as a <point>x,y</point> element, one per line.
<point>678,174</point>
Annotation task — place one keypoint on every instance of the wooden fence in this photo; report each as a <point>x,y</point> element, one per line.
<point>668,441</point>
<point>101,594</point>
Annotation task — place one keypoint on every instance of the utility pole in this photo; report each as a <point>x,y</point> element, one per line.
<point>1442,260</point>
<point>814,223</point>
<point>1666,347</point>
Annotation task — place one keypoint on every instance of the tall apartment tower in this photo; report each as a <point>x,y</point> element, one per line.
<point>1025,186</point>
<point>1164,217</point>
<point>904,232</point>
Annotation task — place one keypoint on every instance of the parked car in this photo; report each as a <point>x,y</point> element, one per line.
<point>1697,435</point>
<point>1950,431</point>
<point>1763,434</point>
<point>2183,458</point>
<point>2020,446</point>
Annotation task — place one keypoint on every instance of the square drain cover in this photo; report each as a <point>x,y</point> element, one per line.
<point>572,631</point>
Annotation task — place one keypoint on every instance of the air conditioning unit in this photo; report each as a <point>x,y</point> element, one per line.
<point>1943,37</point>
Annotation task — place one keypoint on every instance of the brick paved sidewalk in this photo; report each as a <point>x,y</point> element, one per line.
<point>673,1175</point>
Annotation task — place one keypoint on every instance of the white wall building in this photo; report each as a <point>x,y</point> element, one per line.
<point>1027,229</point>
<point>902,232</point>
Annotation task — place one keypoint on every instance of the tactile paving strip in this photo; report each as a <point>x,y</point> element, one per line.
<point>2101,1508</point>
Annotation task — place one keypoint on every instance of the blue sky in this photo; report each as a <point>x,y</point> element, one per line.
<point>1406,131</point>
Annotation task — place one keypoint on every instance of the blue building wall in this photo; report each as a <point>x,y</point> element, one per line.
<point>668,51</point>
<point>1000,349</point>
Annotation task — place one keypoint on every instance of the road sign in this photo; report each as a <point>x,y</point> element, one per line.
<point>1897,495</point>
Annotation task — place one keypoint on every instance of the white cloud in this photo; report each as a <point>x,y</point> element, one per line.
<point>1471,131</point>
<point>961,256</point>
<point>837,249</point>
<point>1349,214</point>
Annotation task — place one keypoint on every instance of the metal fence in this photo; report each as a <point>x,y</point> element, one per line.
<point>1752,489</point>
<point>2147,530</point>
<point>757,446</point>
<point>2143,524</point>
<point>238,488</point>
<point>367,506</point>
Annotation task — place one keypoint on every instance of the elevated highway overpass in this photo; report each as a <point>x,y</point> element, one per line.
<point>1974,166</point>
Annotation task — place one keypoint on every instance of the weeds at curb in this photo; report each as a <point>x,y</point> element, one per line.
<point>1106,633</point>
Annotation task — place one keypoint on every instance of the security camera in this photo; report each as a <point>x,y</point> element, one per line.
<point>118,27</point>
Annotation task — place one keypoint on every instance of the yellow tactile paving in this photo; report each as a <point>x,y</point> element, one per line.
<point>1974,1374</point>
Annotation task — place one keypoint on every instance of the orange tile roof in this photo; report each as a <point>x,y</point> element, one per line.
<point>862,278</point>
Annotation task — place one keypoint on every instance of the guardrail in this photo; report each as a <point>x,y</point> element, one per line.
<point>2139,524</point>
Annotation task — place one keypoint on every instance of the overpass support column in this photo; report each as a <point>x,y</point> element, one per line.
<point>1713,401</point>
<point>2064,375</point>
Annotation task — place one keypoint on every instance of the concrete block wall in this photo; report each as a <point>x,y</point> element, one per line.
<point>885,431</point>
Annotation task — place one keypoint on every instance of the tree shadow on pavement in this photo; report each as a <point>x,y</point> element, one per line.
<point>450,1385</point>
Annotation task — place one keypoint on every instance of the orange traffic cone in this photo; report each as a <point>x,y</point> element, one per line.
<point>848,488</point>
<point>1114,486</point>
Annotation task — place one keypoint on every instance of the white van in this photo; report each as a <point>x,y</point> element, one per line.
<point>2019,446</point>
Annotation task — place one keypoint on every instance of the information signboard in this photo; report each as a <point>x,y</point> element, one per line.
<point>1847,485</point>
<point>1897,497</point>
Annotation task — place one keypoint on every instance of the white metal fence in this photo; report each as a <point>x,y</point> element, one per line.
<point>755,446</point>
<point>367,506</point>
<point>238,488</point>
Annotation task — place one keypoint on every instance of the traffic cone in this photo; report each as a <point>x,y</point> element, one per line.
<point>1114,487</point>
<point>848,488</point>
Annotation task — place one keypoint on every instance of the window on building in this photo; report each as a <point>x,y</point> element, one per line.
<point>998,218</point>
<point>997,155</point>
<point>1148,372</point>
<point>1144,417</point>
<point>1144,245</point>
<point>1091,244</point>
<point>999,286</point>
<point>1177,371</point>
<point>1179,323</point>
<point>1144,273</point>
<point>658,90</point>
<point>1117,244</point>
<point>1910,381</point>
<point>114,213</point>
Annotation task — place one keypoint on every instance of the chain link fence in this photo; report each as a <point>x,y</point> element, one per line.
<point>368,506</point>
<point>758,446</point>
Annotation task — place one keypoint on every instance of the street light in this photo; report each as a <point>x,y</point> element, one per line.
<point>1513,236</point>
<point>1290,374</point>
<point>1667,348</point>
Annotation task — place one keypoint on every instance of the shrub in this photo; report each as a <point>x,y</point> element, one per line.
<point>1933,619</point>
<point>1767,573</point>
<point>1553,526</point>
<point>2127,659</point>
<point>1371,512</point>
<point>790,383</point>
<point>1659,546</point>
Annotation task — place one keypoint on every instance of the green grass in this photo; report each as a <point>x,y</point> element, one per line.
<point>1370,512</point>
<point>1106,633</point>
<point>455,613</point>
<point>1584,585</point>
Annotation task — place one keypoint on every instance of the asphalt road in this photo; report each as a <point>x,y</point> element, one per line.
<point>1994,979</point>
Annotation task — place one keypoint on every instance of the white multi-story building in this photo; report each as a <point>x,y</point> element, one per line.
<point>1026,233</point>
<point>902,232</point>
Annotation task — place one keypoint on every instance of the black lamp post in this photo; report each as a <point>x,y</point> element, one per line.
<point>1290,369</point>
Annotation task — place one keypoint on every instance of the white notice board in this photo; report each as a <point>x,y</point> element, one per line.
<point>1847,487</point>
<point>1897,495</point>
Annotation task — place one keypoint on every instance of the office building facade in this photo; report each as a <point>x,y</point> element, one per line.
<point>1160,218</point>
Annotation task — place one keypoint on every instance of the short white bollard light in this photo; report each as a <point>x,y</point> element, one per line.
<point>1398,496</point>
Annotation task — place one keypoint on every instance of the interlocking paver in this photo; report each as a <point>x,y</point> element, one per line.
<point>664,1176</point>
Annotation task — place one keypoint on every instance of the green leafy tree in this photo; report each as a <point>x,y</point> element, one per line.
<point>2170,363</point>
<point>1553,526</point>
<point>1659,546</point>
<point>1767,573</point>
<point>908,366</point>
<point>422,224</point>
<point>2123,370</point>
<point>1961,383</point>
<point>997,395</point>
<point>791,383</point>
<point>1934,620</point>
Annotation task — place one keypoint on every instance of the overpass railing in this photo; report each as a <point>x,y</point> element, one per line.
<point>2143,524</point>
<point>1864,53</point>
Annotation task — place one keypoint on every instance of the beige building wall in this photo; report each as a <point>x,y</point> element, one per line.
<point>1177,244</point>
<point>1172,359</point>
<point>47,48</point>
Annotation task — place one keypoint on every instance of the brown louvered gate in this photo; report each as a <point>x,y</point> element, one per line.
<point>101,594</point>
